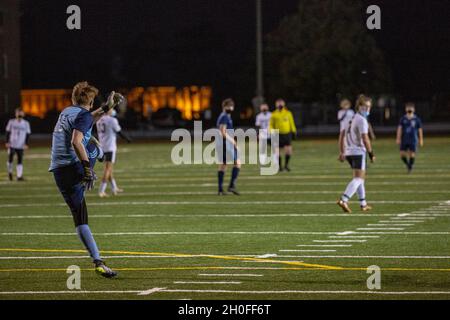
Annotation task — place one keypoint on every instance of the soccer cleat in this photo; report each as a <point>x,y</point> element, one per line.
<point>344,206</point>
<point>103,195</point>
<point>117,191</point>
<point>103,270</point>
<point>222,193</point>
<point>366,208</point>
<point>10,176</point>
<point>234,191</point>
<point>287,169</point>
<point>21,179</point>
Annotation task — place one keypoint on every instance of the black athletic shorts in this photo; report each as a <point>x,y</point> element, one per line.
<point>285,140</point>
<point>357,162</point>
<point>19,153</point>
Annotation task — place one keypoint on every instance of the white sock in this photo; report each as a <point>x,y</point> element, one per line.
<point>103,187</point>
<point>113,185</point>
<point>351,189</point>
<point>9,166</point>
<point>362,194</point>
<point>19,169</point>
<point>262,159</point>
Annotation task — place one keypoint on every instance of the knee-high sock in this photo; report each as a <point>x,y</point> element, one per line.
<point>362,194</point>
<point>412,160</point>
<point>405,160</point>
<point>113,185</point>
<point>280,162</point>
<point>85,235</point>
<point>287,158</point>
<point>103,187</point>
<point>19,170</point>
<point>351,189</point>
<point>234,175</point>
<point>220,175</point>
<point>9,166</point>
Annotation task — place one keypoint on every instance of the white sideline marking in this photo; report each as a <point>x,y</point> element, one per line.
<point>288,250</point>
<point>339,240</point>
<point>345,233</point>
<point>207,282</point>
<point>265,256</point>
<point>350,237</point>
<point>404,214</point>
<point>369,229</point>
<point>388,225</point>
<point>281,215</point>
<point>227,291</point>
<point>310,292</point>
<point>150,291</point>
<point>367,257</point>
<point>229,275</point>
<point>325,245</point>
<point>9,234</point>
<point>170,203</point>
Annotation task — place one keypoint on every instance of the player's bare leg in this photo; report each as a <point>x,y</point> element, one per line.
<point>102,191</point>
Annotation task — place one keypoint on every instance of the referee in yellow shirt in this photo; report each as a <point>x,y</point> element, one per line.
<point>283,121</point>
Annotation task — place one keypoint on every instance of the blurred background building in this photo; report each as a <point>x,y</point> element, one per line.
<point>10,82</point>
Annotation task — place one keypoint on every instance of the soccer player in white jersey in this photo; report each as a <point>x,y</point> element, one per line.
<point>108,128</point>
<point>17,135</point>
<point>354,144</point>
<point>262,123</point>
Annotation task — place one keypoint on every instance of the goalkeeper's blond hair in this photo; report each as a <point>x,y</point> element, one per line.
<point>83,94</point>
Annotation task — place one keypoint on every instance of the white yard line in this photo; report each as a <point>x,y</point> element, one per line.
<point>356,237</point>
<point>294,250</point>
<point>324,241</point>
<point>325,245</point>
<point>176,203</point>
<point>150,291</point>
<point>381,229</point>
<point>207,282</point>
<point>151,233</point>
<point>364,257</point>
<point>75,292</point>
<point>229,275</point>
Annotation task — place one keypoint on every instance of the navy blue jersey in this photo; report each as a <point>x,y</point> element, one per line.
<point>410,129</point>
<point>73,117</point>
<point>225,119</point>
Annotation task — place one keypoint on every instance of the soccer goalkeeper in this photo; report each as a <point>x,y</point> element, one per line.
<point>71,165</point>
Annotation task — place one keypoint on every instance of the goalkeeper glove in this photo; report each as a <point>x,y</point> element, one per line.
<point>114,99</point>
<point>89,176</point>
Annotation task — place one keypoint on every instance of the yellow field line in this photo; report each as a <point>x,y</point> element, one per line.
<point>300,265</point>
<point>181,255</point>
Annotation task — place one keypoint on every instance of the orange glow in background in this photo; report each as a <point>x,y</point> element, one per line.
<point>190,101</point>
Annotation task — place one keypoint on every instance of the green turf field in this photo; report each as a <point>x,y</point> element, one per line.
<point>284,238</point>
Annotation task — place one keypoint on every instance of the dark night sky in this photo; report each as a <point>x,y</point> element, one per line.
<point>183,42</point>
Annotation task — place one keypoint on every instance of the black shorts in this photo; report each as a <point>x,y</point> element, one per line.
<point>110,157</point>
<point>69,182</point>
<point>357,162</point>
<point>12,152</point>
<point>285,140</point>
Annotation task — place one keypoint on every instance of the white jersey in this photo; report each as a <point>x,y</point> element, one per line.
<point>356,127</point>
<point>18,129</point>
<point>262,121</point>
<point>344,117</point>
<point>107,128</point>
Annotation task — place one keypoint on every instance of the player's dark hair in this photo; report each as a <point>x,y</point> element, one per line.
<point>83,93</point>
<point>227,103</point>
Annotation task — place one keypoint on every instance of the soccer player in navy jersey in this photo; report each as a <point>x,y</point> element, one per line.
<point>227,148</point>
<point>409,135</point>
<point>72,165</point>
